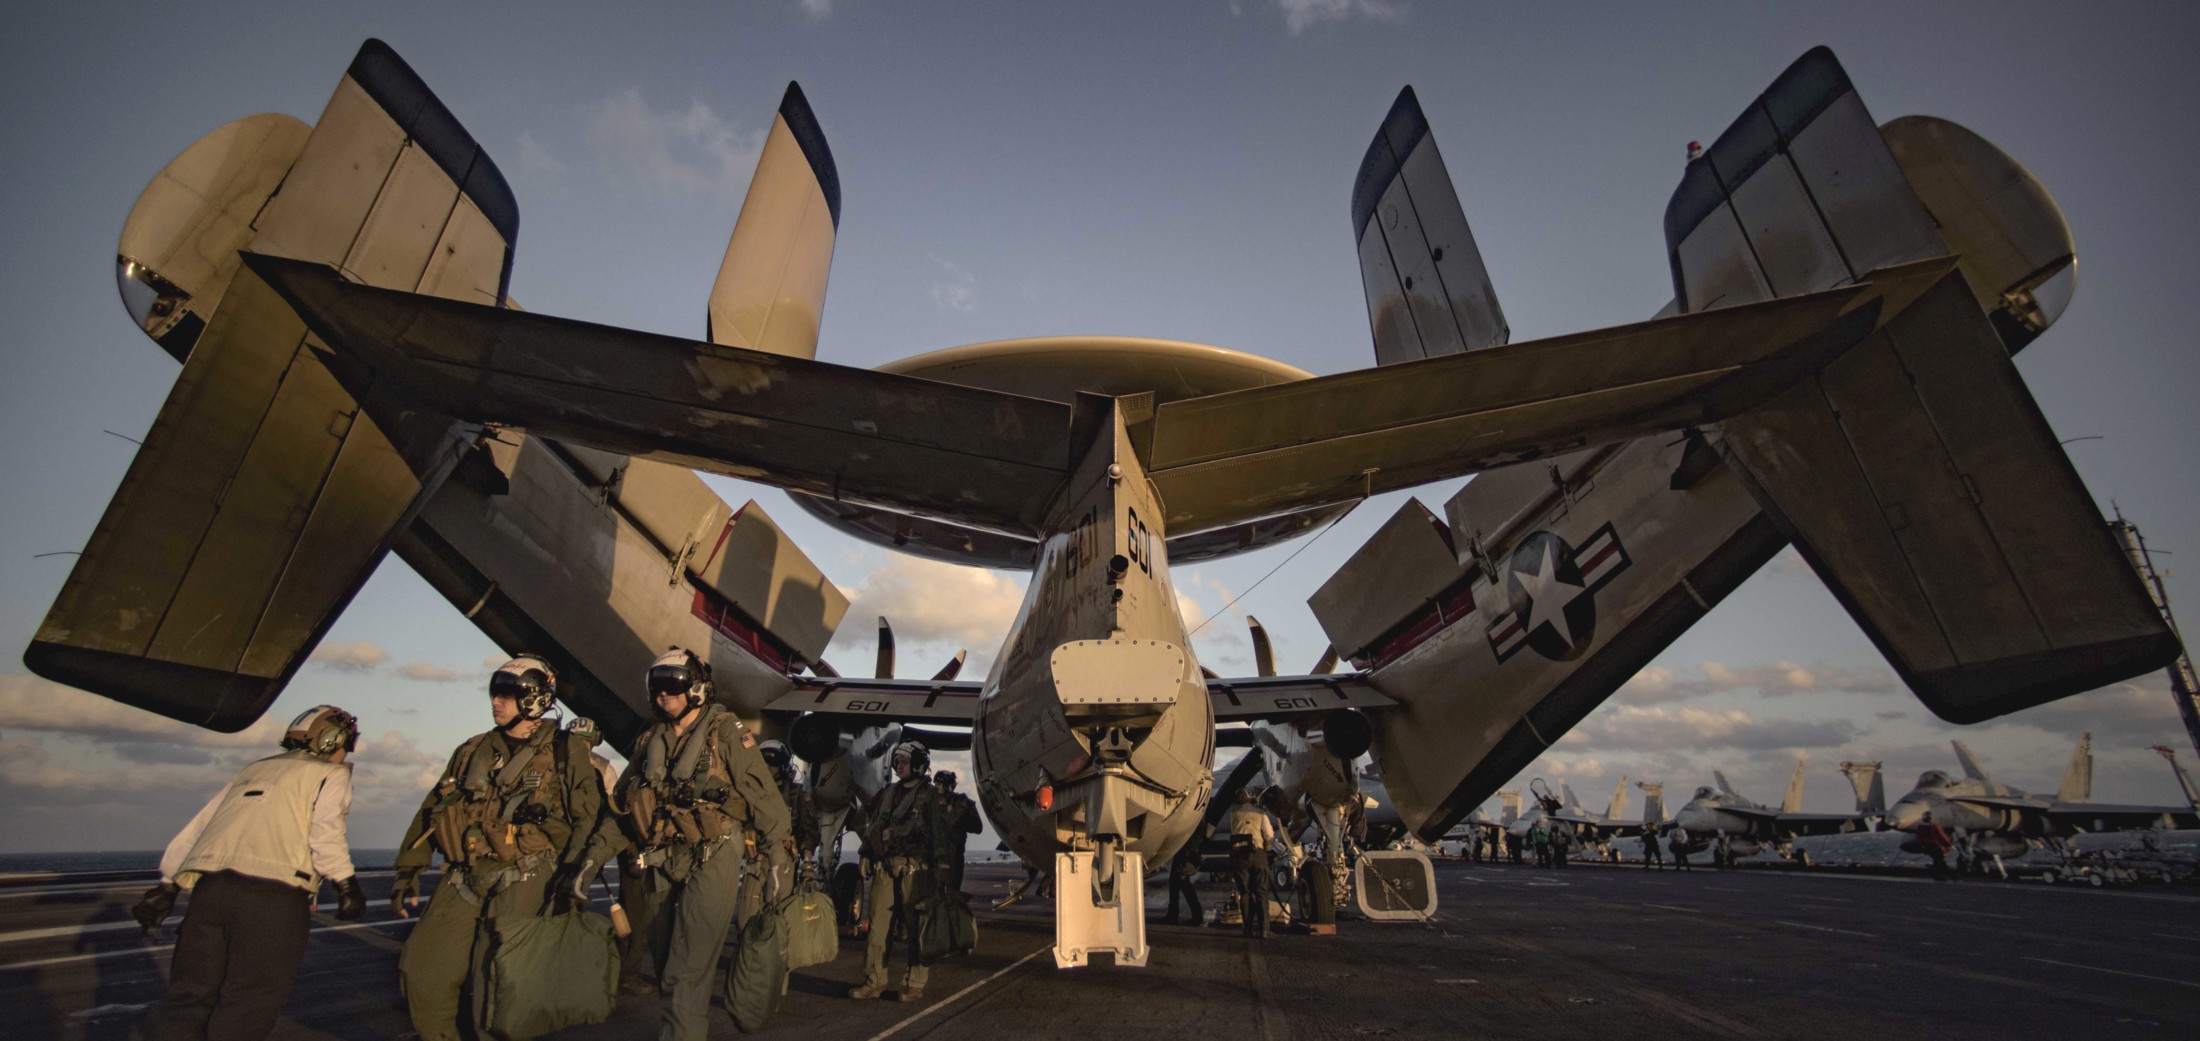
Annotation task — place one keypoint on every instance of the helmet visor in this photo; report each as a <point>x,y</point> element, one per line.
<point>673,680</point>
<point>518,684</point>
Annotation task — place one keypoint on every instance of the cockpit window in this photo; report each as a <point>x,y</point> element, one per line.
<point>1932,779</point>
<point>1703,793</point>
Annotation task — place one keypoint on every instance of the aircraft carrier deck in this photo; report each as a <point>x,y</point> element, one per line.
<point>1588,952</point>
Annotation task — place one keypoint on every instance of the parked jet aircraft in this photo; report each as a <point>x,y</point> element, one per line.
<point>350,355</point>
<point>1991,820</point>
<point>1721,820</point>
<point>1597,830</point>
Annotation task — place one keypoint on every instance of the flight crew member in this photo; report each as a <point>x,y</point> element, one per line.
<point>1251,833</point>
<point>1540,837</point>
<point>254,859</point>
<point>1652,856</point>
<point>1937,843</point>
<point>513,810</point>
<point>696,784</point>
<point>1677,841</point>
<point>1183,871</point>
<point>905,845</point>
<point>634,948</point>
<point>779,763</point>
<point>800,808</point>
<point>1561,837</point>
<point>962,822</point>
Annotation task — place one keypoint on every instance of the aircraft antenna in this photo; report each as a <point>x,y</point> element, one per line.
<point>2182,684</point>
<point>1272,571</point>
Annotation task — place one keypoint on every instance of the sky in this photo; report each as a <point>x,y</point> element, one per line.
<point>1179,170</point>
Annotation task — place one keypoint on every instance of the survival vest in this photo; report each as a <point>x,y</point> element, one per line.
<point>908,822</point>
<point>682,792</point>
<point>495,806</point>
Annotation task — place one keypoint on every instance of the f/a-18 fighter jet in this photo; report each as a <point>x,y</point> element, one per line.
<point>1833,371</point>
<point>1731,825</point>
<point>1991,820</point>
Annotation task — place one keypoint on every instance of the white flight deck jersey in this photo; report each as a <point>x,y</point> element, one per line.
<point>282,818</point>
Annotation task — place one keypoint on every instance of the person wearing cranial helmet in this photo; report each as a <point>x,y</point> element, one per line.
<point>511,815</point>
<point>696,797</point>
<point>253,860</point>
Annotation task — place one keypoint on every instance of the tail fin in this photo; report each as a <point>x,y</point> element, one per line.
<point>1572,804</point>
<point>1617,808</point>
<point>1653,801</point>
<point>1971,769</point>
<point>1720,777</point>
<point>1427,291</point>
<point>2077,782</point>
<point>1792,802</point>
<point>274,480</point>
<point>1871,788</point>
<point>1511,802</point>
<point>770,293</point>
<point>1916,474</point>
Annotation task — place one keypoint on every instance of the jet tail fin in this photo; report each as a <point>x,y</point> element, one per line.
<point>1720,777</point>
<point>1653,801</point>
<point>1511,802</point>
<point>1428,293</point>
<point>770,292</point>
<point>2077,782</point>
<point>1915,473</point>
<point>1871,788</point>
<point>1792,802</point>
<point>1617,808</point>
<point>275,477</point>
<point>1971,768</point>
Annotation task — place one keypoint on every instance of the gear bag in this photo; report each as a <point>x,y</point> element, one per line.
<point>546,972</point>
<point>812,936</point>
<point>945,926</point>
<point>758,978</point>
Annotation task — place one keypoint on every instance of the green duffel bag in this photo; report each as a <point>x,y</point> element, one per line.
<point>812,938</point>
<point>547,972</point>
<point>945,926</point>
<point>758,978</point>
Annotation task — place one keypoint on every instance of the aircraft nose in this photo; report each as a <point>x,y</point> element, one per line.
<point>1903,816</point>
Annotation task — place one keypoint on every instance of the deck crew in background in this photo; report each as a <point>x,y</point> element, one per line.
<point>511,813</point>
<point>1251,834</point>
<point>902,844</point>
<point>696,789</point>
<point>963,821</point>
<point>253,860</point>
<point>1651,855</point>
<point>630,906</point>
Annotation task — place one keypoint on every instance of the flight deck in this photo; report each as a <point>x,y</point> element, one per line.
<point>1514,952</point>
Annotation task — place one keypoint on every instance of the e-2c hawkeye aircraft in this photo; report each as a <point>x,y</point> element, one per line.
<point>1833,371</point>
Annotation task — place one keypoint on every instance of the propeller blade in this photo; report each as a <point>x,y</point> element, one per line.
<point>1264,655</point>
<point>954,666</point>
<point>885,670</point>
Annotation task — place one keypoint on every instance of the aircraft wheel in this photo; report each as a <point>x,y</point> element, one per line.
<point>2050,877</point>
<point>2096,880</point>
<point>1802,858</point>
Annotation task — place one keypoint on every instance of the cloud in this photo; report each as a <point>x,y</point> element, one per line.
<point>1656,683</point>
<point>956,289</point>
<point>816,9</point>
<point>691,149</point>
<point>2137,712</point>
<point>534,159</point>
<point>360,656</point>
<point>1657,728</point>
<point>425,673</point>
<point>930,603</point>
<point>1299,15</point>
<point>32,703</point>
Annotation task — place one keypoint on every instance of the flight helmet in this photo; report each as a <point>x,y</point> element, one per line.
<point>529,681</point>
<point>916,755</point>
<point>679,671</point>
<point>323,730</point>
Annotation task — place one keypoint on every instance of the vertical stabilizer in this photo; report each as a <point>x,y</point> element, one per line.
<point>1971,769</point>
<point>1428,294</point>
<point>1720,776</point>
<point>1572,804</point>
<point>1617,808</point>
<point>770,291</point>
<point>1871,789</point>
<point>1511,801</point>
<point>1792,802</point>
<point>2077,782</point>
<point>1653,801</point>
